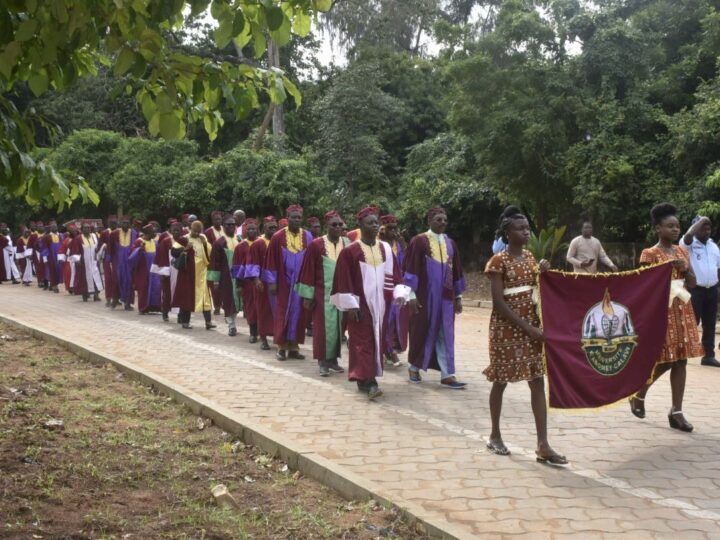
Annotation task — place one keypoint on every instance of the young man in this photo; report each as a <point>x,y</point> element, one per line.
<point>282,267</point>
<point>23,255</point>
<point>145,282</point>
<point>265,303</point>
<point>220,275</point>
<point>705,261</point>
<point>434,273</point>
<point>191,291</point>
<point>121,245</point>
<point>213,233</point>
<point>396,336</point>
<point>36,244</point>
<point>51,243</point>
<point>9,269</point>
<point>314,285</point>
<point>162,266</point>
<point>103,248</point>
<point>246,287</point>
<point>83,254</point>
<point>585,251</point>
<point>314,227</point>
<point>367,279</point>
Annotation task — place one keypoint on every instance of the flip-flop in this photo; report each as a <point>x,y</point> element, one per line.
<point>555,460</point>
<point>498,449</point>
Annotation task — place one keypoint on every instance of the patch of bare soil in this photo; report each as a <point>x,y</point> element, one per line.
<point>86,454</point>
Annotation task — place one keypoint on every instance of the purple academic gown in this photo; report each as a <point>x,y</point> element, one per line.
<point>282,267</point>
<point>51,251</point>
<point>121,265</point>
<point>436,278</point>
<point>147,278</point>
<point>397,316</point>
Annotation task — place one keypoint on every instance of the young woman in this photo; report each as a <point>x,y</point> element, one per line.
<point>682,340</point>
<point>515,334</point>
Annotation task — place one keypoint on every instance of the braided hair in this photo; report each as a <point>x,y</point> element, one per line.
<point>661,211</point>
<point>509,215</point>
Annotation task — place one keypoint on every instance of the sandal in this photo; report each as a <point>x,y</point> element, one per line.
<point>638,411</point>
<point>498,448</point>
<point>678,421</point>
<point>553,459</point>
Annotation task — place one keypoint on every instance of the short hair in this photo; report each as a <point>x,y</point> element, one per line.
<point>661,211</point>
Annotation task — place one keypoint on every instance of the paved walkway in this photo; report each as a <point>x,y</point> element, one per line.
<point>423,446</point>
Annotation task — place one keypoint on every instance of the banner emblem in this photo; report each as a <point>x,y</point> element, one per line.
<point>608,336</point>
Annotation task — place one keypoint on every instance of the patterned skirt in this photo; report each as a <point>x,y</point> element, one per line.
<point>513,355</point>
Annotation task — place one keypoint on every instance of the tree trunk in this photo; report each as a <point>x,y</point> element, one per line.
<point>278,117</point>
<point>257,145</point>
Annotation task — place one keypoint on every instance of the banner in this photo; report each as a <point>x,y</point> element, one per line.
<point>603,333</point>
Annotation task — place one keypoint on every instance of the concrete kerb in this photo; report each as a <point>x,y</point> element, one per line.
<point>310,464</point>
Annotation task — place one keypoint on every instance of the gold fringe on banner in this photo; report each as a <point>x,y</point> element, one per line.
<point>577,275</point>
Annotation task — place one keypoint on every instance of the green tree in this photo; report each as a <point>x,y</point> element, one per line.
<point>51,44</point>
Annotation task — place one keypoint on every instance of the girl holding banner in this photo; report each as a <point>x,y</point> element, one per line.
<point>515,335</point>
<point>682,340</point>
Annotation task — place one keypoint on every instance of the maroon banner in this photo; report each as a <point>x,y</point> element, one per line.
<point>603,333</point>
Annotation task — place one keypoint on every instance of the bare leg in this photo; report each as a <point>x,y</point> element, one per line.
<point>496,396</point>
<point>678,374</point>
<point>539,408</point>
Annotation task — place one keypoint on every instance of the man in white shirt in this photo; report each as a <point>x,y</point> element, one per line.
<point>585,251</point>
<point>705,260</point>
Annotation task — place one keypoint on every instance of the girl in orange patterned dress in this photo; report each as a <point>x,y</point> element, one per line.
<point>682,340</point>
<point>515,334</point>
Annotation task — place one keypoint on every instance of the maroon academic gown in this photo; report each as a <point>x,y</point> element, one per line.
<point>312,274</point>
<point>3,244</point>
<point>212,236</point>
<point>282,267</point>
<point>218,265</point>
<point>265,303</point>
<point>365,358</point>
<point>20,247</point>
<point>162,267</point>
<point>241,256</point>
<point>184,294</point>
<point>76,250</point>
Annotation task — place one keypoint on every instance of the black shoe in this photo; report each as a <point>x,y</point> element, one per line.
<point>15,282</point>
<point>165,317</point>
<point>85,297</point>
<point>677,421</point>
<point>324,371</point>
<point>128,307</point>
<point>210,326</point>
<point>335,368</point>
<point>264,346</point>
<point>280,355</point>
<point>217,311</point>
<point>710,362</point>
<point>96,297</point>
<point>295,355</point>
<point>374,391</point>
<point>187,326</point>
<point>232,332</point>
<point>253,339</point>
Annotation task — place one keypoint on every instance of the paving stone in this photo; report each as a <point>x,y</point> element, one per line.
<point>423,445</point>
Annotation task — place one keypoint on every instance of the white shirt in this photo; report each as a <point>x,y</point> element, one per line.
<point>705,261</point>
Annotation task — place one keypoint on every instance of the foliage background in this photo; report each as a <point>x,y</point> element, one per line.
<point>569,109</point>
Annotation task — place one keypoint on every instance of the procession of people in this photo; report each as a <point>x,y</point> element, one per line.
<point>370,287</point>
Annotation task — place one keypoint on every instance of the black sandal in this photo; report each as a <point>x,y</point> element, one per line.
<point>498,448</point>
<point>637,411</point>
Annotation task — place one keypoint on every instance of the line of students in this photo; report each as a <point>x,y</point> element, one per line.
<point>366,283</point>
